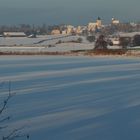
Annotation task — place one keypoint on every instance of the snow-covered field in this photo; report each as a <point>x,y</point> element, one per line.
<point>48,43</point>
<point>43,43</point>
<point>64,47</point>
<point>73,98</point>
<point>25,41</point>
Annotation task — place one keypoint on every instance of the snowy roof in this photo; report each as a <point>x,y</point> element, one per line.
<point>128,34</point>
<point>14,33</point>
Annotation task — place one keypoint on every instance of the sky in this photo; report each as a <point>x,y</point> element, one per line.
<point>75,12</point>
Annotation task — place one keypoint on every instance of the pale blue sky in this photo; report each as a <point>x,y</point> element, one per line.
<point>67,11</point>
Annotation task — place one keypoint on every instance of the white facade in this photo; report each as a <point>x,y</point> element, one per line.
<point>64,32</point>
<point>115,21</point>
<point>55,32</point>
<point>92,26</point>
<point>70,29</point>
<point>116,42</point>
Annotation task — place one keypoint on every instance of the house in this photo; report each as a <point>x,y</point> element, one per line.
<point>56,32</point>
<point>70,29</point>
<point>64,32</point>
<point>131,34</point>
<point>116,41</point>
<point>115,21</point>
<point>92,26</point>
<point>14,34</point>
<point>79,30</point>
<point>124,39</point>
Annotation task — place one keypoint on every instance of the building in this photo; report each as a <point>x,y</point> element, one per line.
<point>115,21</point>
<point>56,32</point>
<point>99,22</point>
<point>116,41</point>
<point>92,26</point>
<point>64,32</point>
<point>79,30</point>
<point>70,29</point>
<point>124,38</point>
<point>131,34</point>
<point>14,34</point>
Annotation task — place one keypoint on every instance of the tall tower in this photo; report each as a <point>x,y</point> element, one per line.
<point>99,22</point>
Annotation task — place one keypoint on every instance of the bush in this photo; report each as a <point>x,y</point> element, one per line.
<point>50,45</point>
<point>110,43</point>
<point>136,40</point>
<point>79,40</point>
<point>59,42</point>
<point>91,38</point>
<point>125,41</point>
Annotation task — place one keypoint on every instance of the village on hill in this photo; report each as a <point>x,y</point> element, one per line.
<point>66,38</point>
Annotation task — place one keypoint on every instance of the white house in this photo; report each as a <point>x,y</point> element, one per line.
<point>115,21</point>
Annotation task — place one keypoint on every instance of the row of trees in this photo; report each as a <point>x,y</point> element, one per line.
<point>101,42</point>
<point>44,29</point>
<point>128,41</point>
<point>122,27</point>
<point>29,29</point>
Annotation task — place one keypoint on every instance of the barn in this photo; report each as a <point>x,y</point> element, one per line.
<point>14,34</point>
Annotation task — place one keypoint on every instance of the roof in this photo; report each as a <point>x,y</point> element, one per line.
<point>98,18</point>
<point>15,33</point>
<point>129,34</point>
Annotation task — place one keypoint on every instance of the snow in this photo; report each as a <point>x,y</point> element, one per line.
<point>49,43</point>
<point>24,41</point>
<point>131,34</point>
<point>73,98</point>
<point>42,43</point>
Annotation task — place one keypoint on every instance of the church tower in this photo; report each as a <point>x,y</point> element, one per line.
<point>99,22</point>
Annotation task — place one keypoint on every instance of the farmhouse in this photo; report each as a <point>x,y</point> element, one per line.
<point>14,34</point>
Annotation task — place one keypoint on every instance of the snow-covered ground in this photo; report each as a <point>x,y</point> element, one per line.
<point>48,43</point>
<point>44,43</point>
<point>73,98</point>
<point>64,47</point>
<point>46,40</point>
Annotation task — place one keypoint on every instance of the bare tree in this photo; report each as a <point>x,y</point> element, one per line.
<point>91,38</point>
<point>16,133</point>
<point>101,43</point>
<point>124,42</point>
<point>136,40</point>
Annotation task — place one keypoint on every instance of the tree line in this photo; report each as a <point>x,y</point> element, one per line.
<point>29,29</point>
<point>46,29</point>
